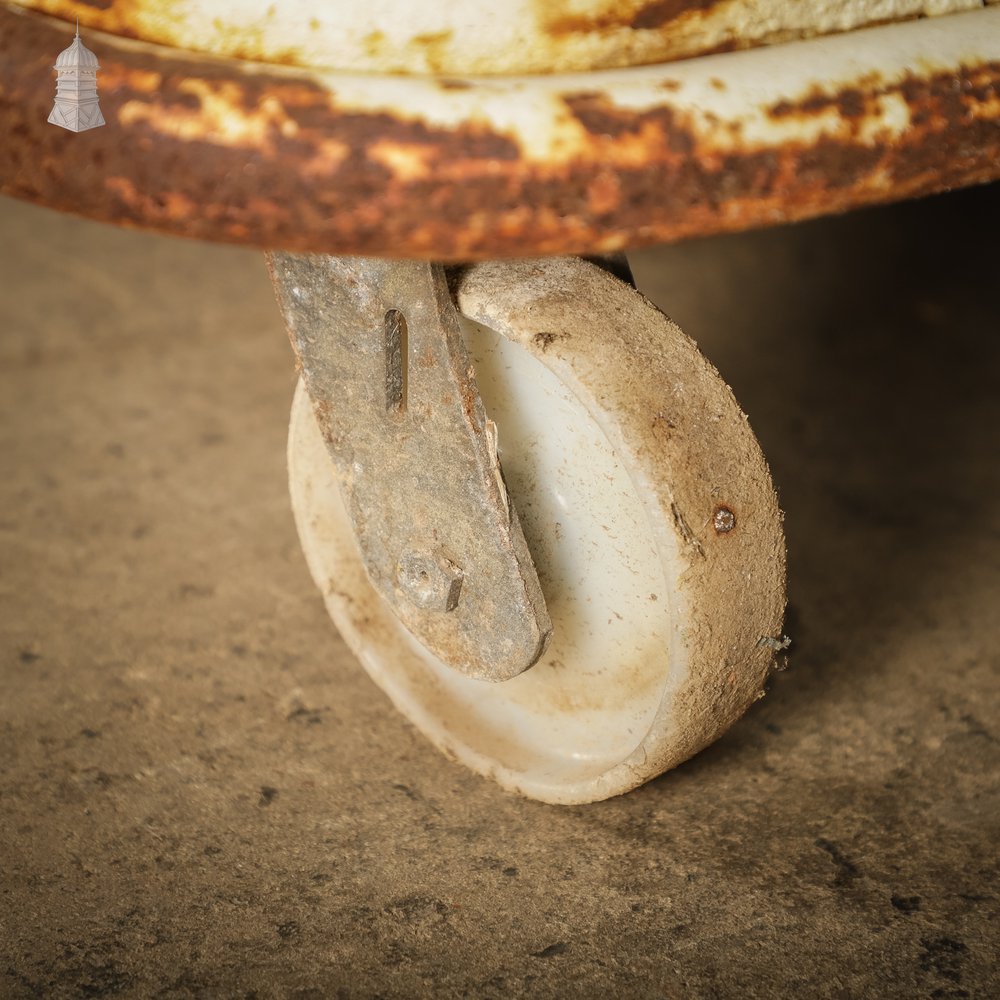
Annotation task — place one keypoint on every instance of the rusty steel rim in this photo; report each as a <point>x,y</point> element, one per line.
<point>473,168</point>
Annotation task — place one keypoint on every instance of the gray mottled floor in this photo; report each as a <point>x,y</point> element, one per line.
<point>201,793</point>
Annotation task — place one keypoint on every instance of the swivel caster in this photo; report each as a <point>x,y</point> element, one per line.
<point>556,461</point>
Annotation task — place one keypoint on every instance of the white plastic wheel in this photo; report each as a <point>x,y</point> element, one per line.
<point>652,521</point>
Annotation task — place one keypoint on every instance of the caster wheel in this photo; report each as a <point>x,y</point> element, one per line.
<point>651,519</point>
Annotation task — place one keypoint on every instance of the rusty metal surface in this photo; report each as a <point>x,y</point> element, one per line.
<point>480,36</point>
<point>476,168</point>
<point>381,353</point>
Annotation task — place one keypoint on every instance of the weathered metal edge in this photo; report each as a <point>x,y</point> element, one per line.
<point>480,36</point>
<point>490,167</point>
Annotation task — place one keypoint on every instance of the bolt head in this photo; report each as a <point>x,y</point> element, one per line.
<point>429,580</point>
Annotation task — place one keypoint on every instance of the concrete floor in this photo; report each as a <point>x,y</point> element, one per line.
<point>202,794</point>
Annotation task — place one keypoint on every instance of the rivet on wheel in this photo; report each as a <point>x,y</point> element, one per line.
<point>723,520</point>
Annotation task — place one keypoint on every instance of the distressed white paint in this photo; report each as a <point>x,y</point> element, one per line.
<point>483,36</point>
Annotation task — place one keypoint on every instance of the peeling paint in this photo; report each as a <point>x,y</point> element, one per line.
<point>480,36</point>
<point>341,163</point>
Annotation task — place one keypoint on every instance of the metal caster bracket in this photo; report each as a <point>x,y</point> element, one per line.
<point>381,353</point>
